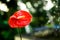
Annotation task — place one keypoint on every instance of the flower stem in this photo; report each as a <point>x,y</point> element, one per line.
<point>19,33</point>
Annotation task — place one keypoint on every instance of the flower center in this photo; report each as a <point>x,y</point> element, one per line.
<point>19,17</point>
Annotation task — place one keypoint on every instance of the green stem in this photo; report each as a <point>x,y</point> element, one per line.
<point>19,33</point>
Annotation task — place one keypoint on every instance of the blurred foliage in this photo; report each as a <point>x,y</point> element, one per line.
<point>39,17</point>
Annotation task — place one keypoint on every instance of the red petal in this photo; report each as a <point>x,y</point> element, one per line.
<point>16,22</point>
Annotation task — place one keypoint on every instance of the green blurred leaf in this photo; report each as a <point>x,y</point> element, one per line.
<point>5,34</point>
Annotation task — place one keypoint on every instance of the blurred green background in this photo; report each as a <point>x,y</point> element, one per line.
<point>41,16</point>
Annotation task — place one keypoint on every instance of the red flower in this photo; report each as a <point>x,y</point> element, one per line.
<point>20,19</point>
